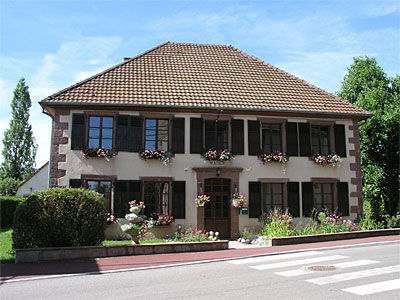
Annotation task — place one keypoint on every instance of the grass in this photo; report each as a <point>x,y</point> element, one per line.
<point>115,243</point>
<point>7,254</point>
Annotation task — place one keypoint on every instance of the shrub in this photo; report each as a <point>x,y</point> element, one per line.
<point>278,224</point>
<point>8,186</point>
<point>60,217</point>
<point>8,204</point>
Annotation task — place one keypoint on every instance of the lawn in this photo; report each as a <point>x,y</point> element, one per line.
<point>7,254</point>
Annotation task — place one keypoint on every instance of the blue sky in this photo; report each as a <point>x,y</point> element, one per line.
<point>54,44</point>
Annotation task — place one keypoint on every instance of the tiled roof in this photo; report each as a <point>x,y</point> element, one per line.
<point>202,76</point>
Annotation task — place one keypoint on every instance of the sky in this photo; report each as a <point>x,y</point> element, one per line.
<point>55,44</point>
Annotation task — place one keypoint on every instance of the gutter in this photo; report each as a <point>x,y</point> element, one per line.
<point>51,143</point>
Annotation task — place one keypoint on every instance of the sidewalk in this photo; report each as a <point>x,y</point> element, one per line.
<point>10,272</point>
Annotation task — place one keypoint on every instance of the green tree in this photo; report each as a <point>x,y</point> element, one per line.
<point>369,87</point>
<point>19,147</point>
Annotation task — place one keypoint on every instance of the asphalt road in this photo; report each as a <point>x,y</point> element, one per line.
<point>367,272</point>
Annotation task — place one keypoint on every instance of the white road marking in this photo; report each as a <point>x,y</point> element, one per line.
<point>355,275</point>
<point>377,287</point>
<point>298,262</point>
<point>343,265</point>
<point>273,257</point>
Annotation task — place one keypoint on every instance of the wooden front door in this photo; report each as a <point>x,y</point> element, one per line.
<point>217,211</point>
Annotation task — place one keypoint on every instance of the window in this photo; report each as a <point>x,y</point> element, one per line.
<point>101,132</point>
<point>156,197</point>
<point>102,187</point>
<point>271,138</point>
<point>216,135</point>
<point>320,140</point>
<point>272,196</point>
<point>156,137</point>
<point>323,196</point>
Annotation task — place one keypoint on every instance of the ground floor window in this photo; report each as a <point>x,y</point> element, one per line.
<point>156,197</point>
<point>323,196</point>
<point>272,196</point>
<point>102,187</point>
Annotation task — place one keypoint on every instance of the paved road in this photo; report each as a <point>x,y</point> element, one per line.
<point>369,272</point>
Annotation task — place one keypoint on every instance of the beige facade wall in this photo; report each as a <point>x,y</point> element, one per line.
<point>129,166</point>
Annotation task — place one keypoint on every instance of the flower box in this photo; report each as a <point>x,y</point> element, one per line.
<point>217,156</point>
<point>161,155</point>
<point>276,157</point>
<point>87,153</point>
<point>330,160</point>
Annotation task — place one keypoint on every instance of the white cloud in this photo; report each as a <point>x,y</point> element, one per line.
<point>74,61</point>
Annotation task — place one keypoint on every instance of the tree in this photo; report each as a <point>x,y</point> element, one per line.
<point>19,147</point>
<point>368,86</point>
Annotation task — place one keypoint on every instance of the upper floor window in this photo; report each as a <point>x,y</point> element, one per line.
<point>156,137</point>
<point>272,196</point>
<point>271,138</point>
<point>101,132</point>
<point>216,135</point>
<point>320,140</point>
<point>323,196</point>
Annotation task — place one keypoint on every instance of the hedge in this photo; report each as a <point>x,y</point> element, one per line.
<point>8,204</point>
<point>60,217</point>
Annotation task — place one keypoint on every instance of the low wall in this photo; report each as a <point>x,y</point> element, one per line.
<point>35,255</point>
<point>332,237</point>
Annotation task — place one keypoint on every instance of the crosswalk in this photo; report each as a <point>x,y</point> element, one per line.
<point>298,264</point>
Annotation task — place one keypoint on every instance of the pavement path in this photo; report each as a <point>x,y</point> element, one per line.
<point>12,272</point>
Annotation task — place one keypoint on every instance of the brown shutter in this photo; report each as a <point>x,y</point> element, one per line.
<point>340,140</point>
<point>254,137</point>
<point>291,139</point>
<point>196,135</point>
<point>75,183</point>
<point>135,134</point>
<point>293,198</point>
<point>178,135</point>
<point>254,199</point>
<point>78,132</point>
<point>307,197</point>
<point>304,137</point>
<point>178,199</point>
<point>343,198</point>
<point>237,137</point>
<point>121,133</point>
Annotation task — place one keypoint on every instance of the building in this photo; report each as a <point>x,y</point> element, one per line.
<point>36,182</point>
<point>187,98</point>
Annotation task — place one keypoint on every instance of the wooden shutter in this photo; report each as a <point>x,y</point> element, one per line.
<point>293,198</point>
<point>304,137</point>
<point>121,133</point>
<point>254,199</point>
<point>307,197</point>
<point>178,199</point>
<point>178,135</point>
<point>237,137</point>
<point>121,199</point>
<point>340,140</point>
<point>343,198</point>
<point>292,148</point>
<point>254,137</point>
<point>75,183</point>
<point>196,135</point>
<point>135,134</point>
<point>78,132</point>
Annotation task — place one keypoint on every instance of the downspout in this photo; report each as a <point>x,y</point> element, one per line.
<point>51,143</point>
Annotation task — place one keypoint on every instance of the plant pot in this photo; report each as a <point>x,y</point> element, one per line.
<point>134,233</point>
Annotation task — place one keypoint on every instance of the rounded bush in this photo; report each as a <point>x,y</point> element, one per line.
<point>60,217</point>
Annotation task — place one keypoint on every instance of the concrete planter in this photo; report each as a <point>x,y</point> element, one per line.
<point>332,237</point>
<point>36,255</point>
